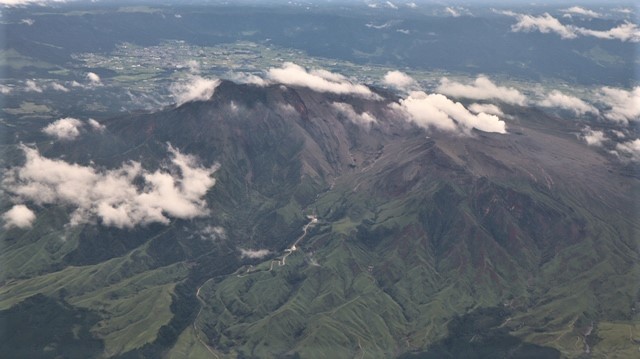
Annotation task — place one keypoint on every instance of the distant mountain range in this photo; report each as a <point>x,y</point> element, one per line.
<point>427,243</point>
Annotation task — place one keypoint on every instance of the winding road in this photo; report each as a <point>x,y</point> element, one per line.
<point>312,220</point>
<point>293,248</point>
<point>287,252</point>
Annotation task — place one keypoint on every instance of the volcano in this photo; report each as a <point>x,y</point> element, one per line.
<point>399,241</point>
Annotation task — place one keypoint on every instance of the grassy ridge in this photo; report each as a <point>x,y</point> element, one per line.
<point>392,274</point>
<point>131,299</point>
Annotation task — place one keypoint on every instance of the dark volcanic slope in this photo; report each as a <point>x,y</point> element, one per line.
<point>414,229</point>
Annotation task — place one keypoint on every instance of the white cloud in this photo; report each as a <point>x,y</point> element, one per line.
<point>18,216</point>
<point>64,129</point>
<point>27,22</point>
<point>123,197</point>
<point>623,32</point>
<point>15,3</point>
<point>412,5</point>
<point>378,27</point>
<point>391,5</point>
<point>94,79</point>
<point>546,23</point>
<point>622,105</point>
<point>437,111</point>
<point>567,102</point>
<point>317,80</point>
<point>481,89</point>
<point>581,11</point>
<point>404,31</point>
<point>487,108</point>
<point>213,233</point>
<point>192,65</point>
<point>347,110</point>
<point>5,90</point>
<point>58,87</point>
<point>287,109</point>
<point>593,138</point>
<point>456,11</point>
<point>247,78</point>
<point>193,88</point>
<point>69,128</point>
<point>399,80</point>
<point>630,148</point>
<point>32,86</point>
<point>619,134</point>
<point>452,11</point>
<point>624,10</point>
<point>95,125</point>
<point>254,254</point>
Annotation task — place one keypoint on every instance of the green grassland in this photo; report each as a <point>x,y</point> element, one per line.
<point>130,295</point>
<point>377,289</point>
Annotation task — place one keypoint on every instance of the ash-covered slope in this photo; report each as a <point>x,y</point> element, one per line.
<point>413,229</point>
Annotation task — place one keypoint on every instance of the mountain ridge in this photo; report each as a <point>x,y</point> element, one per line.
<point>415,228</point>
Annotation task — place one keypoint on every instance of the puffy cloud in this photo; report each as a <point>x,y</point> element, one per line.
<point>481,89</point>
<point>567,102</point>
<point>122,197</point>
<point>213,233</point>
<point>581,11</point>
<point>254,254</point>
<point>247,78</point>
<point>488,108</point>
<point>623,32</point>
<point>630,148</point>
<point>5,90</point>
<point>456,11</point>
<point>399,80</point>
<point>451,11</point>
<point>623,106</point>
<point>286,109</point>
<point>317,80</point>
<point>97,126</point>
<point>58,87</point>
<point>18,216</point>
<point>192,65</point>
<point>193,88</point>
<point>437,111</point>
<point>32,86</point>
<point>411,5</point>
<point>347,110</point>
<point>546,23</point>
<point>64,129</point>
<point>94,79</point>
<point>69,128</point>
<point>593,138</point>
<point>624,10</point>
<point>27,22</point>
